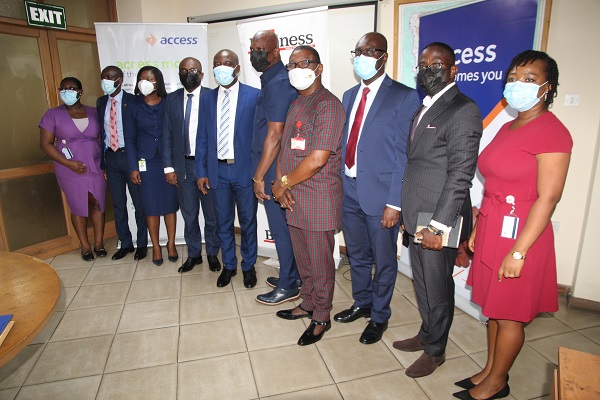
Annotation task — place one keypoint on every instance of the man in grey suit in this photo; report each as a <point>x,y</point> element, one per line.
<point>442,156</point>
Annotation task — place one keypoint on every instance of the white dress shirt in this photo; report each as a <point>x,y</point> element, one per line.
<point>193,116</point>
<point>234,90</point>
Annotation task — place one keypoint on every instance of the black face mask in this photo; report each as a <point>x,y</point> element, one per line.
<point>260,60</point>
<point>190,81</point>
<point>432,83</point>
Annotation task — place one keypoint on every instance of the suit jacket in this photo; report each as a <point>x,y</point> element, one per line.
<point>173,142</point>
<point>381,149</point>
<point>206,141</point>
<point>442,159</point>
<point>101,109</point>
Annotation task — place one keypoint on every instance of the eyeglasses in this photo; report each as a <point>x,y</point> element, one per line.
<point>260,49</point>
<point>300,64</point>
<point>434,68</point>
<point>184,71</point>
<point>60,89</point>
<point>370,52</point>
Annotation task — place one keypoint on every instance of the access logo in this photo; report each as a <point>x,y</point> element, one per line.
<point>167,40</point>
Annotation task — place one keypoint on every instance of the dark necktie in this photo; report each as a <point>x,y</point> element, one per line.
<point>186,125</point>
<point>353,139</point>
<point>416,122</point>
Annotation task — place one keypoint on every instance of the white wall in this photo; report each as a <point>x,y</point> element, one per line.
<point>574,30</point>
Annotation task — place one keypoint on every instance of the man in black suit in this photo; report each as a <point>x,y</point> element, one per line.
<point>111,108</point>
<point>442,156</point>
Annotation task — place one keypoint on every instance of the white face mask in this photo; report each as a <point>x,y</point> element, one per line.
<point>522,96</point>
<point>302,78</point>
<point>146,87</point>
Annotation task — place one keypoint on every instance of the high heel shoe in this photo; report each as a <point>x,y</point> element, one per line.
<point>465,395</point>
<point>468,384</point>
<point>158,261</point>
<point>170,257</point>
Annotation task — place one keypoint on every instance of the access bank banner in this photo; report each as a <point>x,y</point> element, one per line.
<point>304,27</point>
<point>133,46</point>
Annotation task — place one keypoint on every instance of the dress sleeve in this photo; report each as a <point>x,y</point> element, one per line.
<point>48,121</point>
<point>551,137</point>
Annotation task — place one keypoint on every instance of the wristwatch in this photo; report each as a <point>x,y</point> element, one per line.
<point>284,182</point>
<point>517,255</point>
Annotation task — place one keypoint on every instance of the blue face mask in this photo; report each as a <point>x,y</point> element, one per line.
<point>224,75</point>
<point>522,96</point>
<point>108,86</point>
<point>69,97</point>
<point>365,66</point>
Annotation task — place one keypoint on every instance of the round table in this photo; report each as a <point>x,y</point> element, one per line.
<point>29,290</point>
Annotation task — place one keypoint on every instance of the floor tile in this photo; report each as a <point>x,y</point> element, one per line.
<point>49,329</point>
<point>391,385</point>
<point>210,307</point>
<point>14,373</point>
<point>247,304</point>
<point>69,261</point>
<point>149,315</point>
<point>268,331</point>
<point>71,389</point>
<point>329,392</point>
<point>274,368</point>
<point>440,384</point>
<point>9,394</point>
<point>339,295</point>
<point>592,333</point>
<point>404,284</point>
<point>110,274</point>
<point>410,296</point>
<point>90,322</point>
<point>76,358</point>
<point>548,347</point>
<point>211,339</point>
<point>468,333</point>
<point>100,295</point>
<point>204,283</point>
<point>72,277</point>
<point>154,289</point>
<point>574,317</point>
<point>261,276</point>
<point>341,356</point>
<point>155,383</point>
<point>227,377</point>
<point>545,325</point>
<point>66,296</point>
<point>143,349</point>
<point>147,270</point>
<point>403,312</point>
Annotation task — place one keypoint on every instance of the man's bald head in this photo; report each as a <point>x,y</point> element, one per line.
<point>266,38</point>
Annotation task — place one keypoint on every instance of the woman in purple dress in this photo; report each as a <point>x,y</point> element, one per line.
<point>69,135</point>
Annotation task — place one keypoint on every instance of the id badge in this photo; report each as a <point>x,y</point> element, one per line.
<point>67,153</point>
<point>298,143</point>
<point>142,165</point>
<point>510,224</point>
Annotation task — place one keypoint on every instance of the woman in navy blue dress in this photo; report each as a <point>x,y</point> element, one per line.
<point>143,138</point>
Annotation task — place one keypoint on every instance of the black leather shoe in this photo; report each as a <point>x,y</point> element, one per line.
<point>122,252</point>
<point>189,264</point>
<point>101,252</point>
<point>352,314</point>
<point>87,256</point>
<point>213,263</point>
<point>465,395</point>
<point>278,296</point>
<point>140,253</point>
<point>250,278</point>
<point>289,314</point>
<point>309,337</point>
<point>467,383</point>
<point>373,332</point>
<point>274,282</point>
<point>225,277</point>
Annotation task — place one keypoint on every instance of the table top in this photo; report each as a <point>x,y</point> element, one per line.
<point>29,290</point>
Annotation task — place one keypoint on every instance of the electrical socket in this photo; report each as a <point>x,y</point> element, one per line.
<point>555,226</point>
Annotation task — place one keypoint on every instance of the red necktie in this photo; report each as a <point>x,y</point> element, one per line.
<point>114,139</point>
<point>353,139</point>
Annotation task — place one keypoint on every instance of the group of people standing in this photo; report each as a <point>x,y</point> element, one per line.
<point>370,164</point>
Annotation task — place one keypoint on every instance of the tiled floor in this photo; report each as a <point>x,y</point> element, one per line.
<point>129,330</point>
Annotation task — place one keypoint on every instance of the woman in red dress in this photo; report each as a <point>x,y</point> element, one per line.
<point>513,274</point>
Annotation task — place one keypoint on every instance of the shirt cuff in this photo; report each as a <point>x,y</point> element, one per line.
<point>394,207</point>
<point>441,226</point>
<point>168,170</point>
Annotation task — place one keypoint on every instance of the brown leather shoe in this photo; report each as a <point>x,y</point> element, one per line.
<point>412,344</point>
<point>425,365</point>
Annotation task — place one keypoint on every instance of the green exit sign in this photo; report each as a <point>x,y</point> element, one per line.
<point>45,15</point>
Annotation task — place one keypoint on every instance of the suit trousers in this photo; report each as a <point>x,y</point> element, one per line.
<point>117,176</point>
<point>434,289</point>
<point>231,195</point>
<point>189,204</point>
<point>314,254</point>
<point>288,270</point>
<point>367,243</point>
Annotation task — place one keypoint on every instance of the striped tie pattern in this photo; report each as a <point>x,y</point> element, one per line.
<point>114,139</point>
<point>223,137</point>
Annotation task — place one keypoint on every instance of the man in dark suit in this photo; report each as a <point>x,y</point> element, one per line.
<point>442,156</point>
<point>224,163</point>
<point>114,162</point>
<point>182,120</point>
<point>378,112</point>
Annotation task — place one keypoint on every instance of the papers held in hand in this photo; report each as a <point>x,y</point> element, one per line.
<point>448,239</point>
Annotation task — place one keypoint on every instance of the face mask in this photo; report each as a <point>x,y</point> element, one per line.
<point>260,60</point>
<point>146,87</point>
<point>108,86</point>
<point>522,96</point>
<point>432,83</point>
<point>302,78</point>
<point>190,81</point>
<point>224,75</point>
<point>365,66</point>
<point>69,97</point>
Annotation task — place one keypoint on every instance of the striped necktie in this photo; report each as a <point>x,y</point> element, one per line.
<point>223,137</point>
